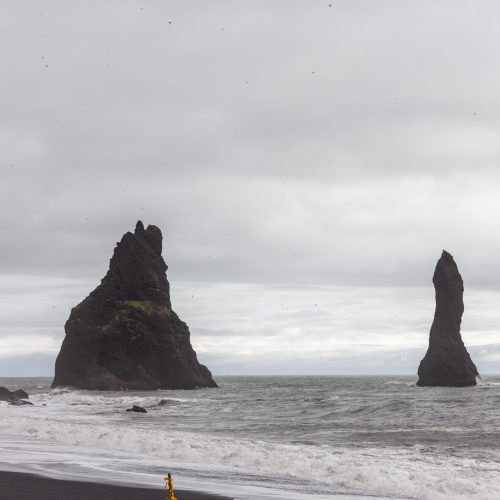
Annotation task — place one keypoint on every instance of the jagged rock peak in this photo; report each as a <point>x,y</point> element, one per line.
<point>137,270</point>
<point>152,235</point>
<point>446,275</point>
<point>139,227</point>
<point>447,362</point>
<point>125,333</point>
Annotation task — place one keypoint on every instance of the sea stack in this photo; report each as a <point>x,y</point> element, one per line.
<point>447,362</point>
<point>125,335</point>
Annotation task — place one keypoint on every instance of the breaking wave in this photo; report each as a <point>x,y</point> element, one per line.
<point>326,440</point>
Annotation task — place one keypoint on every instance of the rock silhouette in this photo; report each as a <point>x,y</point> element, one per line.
<point>125,335</point>
<point>447,362</point>
<point>16,398</point>
<point>20,394</point>
<point>137,409</point>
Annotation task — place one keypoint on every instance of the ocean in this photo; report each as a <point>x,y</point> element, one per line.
<point>267,437</point>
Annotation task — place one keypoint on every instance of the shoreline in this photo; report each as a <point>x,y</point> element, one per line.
<point>25,486</point>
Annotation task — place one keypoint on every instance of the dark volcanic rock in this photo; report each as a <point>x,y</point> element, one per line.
<point>15,397</point>
<point>447,362</point>
<point>5,394</point>
<point>125,335</point>
<point>20,394</point>
<point>137,409</point>
<point>20,402</point>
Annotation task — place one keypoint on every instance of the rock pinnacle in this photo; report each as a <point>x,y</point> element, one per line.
<point>447,362</point>
<point>125,335</point>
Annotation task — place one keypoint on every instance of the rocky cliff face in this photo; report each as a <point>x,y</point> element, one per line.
<point>447,362</point>
<point>125,335</point>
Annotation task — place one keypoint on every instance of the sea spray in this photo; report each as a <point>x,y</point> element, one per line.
<point>319,436</point>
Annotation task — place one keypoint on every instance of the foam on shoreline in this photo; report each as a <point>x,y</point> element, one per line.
<point>268,438</point>
<point>22,486</point>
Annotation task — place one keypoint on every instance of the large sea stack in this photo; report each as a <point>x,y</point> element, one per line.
<point>447,362</point>
<point>124,335</point>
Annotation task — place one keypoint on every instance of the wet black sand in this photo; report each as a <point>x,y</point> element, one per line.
<point>19,486</point>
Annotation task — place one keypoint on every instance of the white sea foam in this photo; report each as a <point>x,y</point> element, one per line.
<point>74,397</point>
<point>261,439</point>
<point>401,472</point>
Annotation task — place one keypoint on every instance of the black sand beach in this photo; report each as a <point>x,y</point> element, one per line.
<point>18,486</point>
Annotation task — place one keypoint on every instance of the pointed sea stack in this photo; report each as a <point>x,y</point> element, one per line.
<point>447,362</point>
<point>124,335</point>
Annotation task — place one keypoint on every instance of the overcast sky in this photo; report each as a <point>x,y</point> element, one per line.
<point>306,163</point>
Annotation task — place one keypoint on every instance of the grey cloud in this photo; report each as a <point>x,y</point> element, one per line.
<point>382,99</point>
<point>215,332</point>
<point>31,365</point>
<point>308,236</point>
<point>286,144</point>
<point>343,362</point>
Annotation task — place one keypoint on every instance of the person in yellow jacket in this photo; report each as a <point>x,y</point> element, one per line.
<point>170,483</point>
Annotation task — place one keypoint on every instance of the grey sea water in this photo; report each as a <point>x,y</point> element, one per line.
<point>268,437</point>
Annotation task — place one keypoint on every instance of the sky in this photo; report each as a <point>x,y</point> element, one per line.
<point>306,162</point>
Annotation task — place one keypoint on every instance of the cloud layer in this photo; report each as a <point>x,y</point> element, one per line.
<point>292,146</point>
